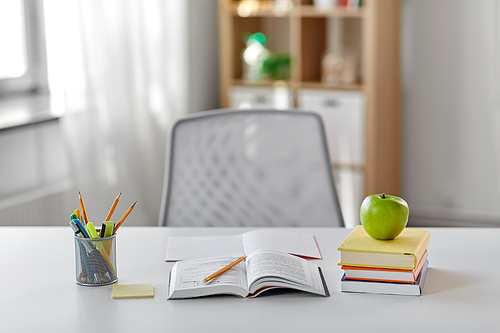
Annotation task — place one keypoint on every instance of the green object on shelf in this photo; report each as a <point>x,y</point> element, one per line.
<point>254,56</point>
<point>278,66</point>
<point>257,37</point>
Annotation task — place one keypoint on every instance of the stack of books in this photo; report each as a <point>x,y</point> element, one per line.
<point>397,266</point>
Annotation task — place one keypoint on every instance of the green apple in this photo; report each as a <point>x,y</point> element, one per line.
<point>384,216</point>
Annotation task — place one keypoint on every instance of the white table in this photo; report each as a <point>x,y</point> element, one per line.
<point>38,292</point>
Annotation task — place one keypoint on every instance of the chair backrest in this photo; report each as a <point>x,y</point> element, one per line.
<point>255,168</point>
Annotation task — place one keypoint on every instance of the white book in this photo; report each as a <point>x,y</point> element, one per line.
<point>262,270</point>
<point>391,288</point>
<point>296,243</point>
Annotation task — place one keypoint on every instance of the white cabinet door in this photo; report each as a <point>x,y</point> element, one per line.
<point>343,115</point>
<point>258,97</point>
<point>350,189</point>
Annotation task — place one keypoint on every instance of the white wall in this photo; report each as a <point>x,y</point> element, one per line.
<point>203,55</point>
<point>451,111</point>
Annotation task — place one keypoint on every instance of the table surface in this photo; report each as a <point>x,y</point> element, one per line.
<point>39,293</point>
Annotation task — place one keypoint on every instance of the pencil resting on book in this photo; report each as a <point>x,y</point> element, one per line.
<point>119,223</point>
<point>262,270</point>
<point>108,218</point>
<point>223,270</point>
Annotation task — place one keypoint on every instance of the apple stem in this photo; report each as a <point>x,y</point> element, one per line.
<point>383,195</point>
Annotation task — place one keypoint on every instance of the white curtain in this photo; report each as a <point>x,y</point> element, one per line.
<point>117,72</point>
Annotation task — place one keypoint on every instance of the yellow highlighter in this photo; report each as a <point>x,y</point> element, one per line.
<point>110,228</point>
<point>91,230</point>
<point>107,230</point>
<point>78,214</point>
<point>93,234</point>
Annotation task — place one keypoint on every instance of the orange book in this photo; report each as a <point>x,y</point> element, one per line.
<point>384,274</point>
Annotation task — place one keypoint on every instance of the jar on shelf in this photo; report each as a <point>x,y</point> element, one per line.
<point>338,68</point>
<point>254,56</point>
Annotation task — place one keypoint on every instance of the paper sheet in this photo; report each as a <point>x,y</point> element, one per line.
<point>187,248</point>
<point>297,243</point>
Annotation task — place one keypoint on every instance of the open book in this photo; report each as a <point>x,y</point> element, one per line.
<point>197,247</point>
<point>262,270</point>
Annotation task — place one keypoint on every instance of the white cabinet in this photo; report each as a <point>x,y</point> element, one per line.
<point>350,189</point>
<point>260,97</point>
<point>34,157</point>
<point>343,115</point>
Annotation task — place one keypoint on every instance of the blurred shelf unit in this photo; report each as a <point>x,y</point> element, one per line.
<point>361,110</point>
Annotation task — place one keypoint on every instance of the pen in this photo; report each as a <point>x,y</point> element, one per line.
<point>124,216</point>
<point>82,232</point>
<point>223,270</point>
<point>84,211</point>
<point>81,227</point>
<point>83,247</point>
<point>76,229</point>
<point>113,207</point>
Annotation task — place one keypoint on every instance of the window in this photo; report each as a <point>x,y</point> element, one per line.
<point>23,68</point>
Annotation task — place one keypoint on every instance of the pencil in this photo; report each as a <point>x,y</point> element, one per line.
<point>84,211</point>
<point>108,218</point>
<point>124,216</point>
<point>223,270</point>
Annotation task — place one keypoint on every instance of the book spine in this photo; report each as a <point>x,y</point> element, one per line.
<point>419,252</point>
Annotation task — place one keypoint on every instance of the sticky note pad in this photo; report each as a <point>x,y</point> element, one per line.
<point>133,290</point>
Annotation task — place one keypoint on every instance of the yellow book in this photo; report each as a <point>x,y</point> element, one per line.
<point>402,252</point>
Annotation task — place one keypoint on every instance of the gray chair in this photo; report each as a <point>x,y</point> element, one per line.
<point>254,168</point>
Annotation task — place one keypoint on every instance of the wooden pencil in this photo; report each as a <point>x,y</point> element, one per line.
<point>84,211</point>
<point>223,270</point>
<point>108,218</point>
<point>124,216</point>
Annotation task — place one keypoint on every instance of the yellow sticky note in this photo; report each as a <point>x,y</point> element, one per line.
<point>133,290</point>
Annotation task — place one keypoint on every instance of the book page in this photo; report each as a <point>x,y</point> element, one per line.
<point>272,268</point>
<point>196,247</point>
<point>297,243</point>
<point>187,278</point>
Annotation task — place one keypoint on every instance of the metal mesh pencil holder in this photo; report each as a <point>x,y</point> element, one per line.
<point>95,261</point>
